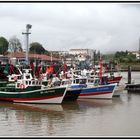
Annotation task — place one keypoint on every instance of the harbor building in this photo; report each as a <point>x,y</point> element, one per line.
<point>82,53</point>
<point>19,58</point>
<point>136,53</point>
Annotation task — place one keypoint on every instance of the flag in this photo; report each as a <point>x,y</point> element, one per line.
<point>65,68</point>
<point>52,69</point>
<point>6,70</point>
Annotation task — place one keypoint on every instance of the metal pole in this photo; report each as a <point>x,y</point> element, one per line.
<point>129,74</point>
<point>28,26</point>
<point>27,44</point>
<point>51,57</point>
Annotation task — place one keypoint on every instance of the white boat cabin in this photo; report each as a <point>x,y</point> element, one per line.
<point>87,81</point>
<point>25,80</point>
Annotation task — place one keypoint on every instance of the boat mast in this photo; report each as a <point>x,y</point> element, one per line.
<point>28,26</point>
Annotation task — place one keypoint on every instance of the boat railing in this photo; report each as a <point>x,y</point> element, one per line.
<point>28,83</point>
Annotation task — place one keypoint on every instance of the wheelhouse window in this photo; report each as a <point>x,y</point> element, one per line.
<point>28,77</point>
<point>82,81</point>
<point>77,81</point>
<point>18,77</point>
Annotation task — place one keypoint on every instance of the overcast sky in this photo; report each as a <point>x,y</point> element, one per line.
<point>106,27</point>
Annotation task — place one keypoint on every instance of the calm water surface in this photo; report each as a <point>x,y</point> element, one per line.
<point>86,117</point>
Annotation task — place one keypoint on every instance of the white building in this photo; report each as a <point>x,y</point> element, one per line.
<point>137,53</point>
<point>83,53</point>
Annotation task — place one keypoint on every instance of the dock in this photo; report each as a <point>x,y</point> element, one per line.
<point>132,87</point>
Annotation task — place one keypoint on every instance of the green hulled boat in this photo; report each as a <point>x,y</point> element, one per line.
<point>30,90</point>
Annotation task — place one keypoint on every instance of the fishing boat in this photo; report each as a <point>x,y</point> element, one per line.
<point>98,79</point>
<point>106,80</point>
<point>91,87</point>
<point>72,93</point>
<point>100,91</point>
<point>113,79</point>
<point>30,90</point>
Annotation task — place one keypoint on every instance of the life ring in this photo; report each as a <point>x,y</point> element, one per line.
<point>22,86</point>
<point>15,78</point>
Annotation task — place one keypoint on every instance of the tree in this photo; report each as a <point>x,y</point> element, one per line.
<point>37,48</point>
<point>3,45</point>
<point>121,56</point>
<point>15,45</point>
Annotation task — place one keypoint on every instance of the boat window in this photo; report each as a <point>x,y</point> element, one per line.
<point>92,73</point>
<point>29,82</point>
<point>18,77</point>
<point>26,82</point>
<point>92,81</point>
<point>57,83</point>
<point>96,81</point>
<point>18,84</point>
<point>82,81</point>
<point>28,77</point>
<point>77,81</point>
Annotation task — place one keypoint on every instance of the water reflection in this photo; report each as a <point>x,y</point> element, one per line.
<point>32,117</point>
<point>38,119</point>
<point>94,102</point>
<point>85,117</point>
<point>54,120</point>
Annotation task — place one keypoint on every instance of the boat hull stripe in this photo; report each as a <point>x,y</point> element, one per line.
<point>31,98</point>
<point>94,93</point>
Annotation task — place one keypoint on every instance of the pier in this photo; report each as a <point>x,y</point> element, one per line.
<point>132,87</point>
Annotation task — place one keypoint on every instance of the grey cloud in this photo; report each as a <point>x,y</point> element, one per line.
<point>105,27</point>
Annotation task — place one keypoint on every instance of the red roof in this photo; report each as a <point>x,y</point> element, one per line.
<point>34,56</point>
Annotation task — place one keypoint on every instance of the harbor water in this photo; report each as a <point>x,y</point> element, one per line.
<point>85,117</point>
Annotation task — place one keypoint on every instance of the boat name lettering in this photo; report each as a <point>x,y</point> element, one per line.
<point>50,91</point>
<point>104,88</point>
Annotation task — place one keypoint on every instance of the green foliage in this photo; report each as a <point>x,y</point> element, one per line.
<point>3,45</point>
<point>37,48</point>
<point>124,56</point>
<point>108,57</point>
<point>121,54</point>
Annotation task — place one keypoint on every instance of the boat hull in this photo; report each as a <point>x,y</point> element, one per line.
<point>103,91</point>
<point>112,80</point>
<point>118,90</point>
<point>49,95</point>
<point>72,94</point>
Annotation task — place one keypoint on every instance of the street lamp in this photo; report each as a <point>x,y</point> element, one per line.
<point>28,26</point>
